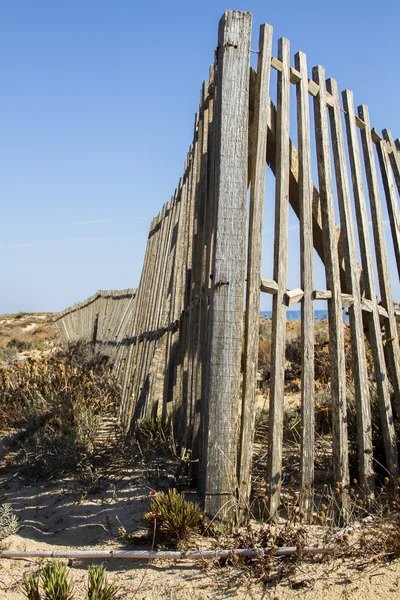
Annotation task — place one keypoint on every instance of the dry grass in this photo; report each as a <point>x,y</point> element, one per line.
<point>23,333</point>
<point>53,406</point>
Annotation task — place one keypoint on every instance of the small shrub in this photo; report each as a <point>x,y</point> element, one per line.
<point>20,315</point>
<point>9,523</point>
<point>53,582</point>
<point>98,587</point>
<point>149,434</point>
<point>173,517</point>
<point>30,586</point>
<point>19,345</point>
<point>56,582</point>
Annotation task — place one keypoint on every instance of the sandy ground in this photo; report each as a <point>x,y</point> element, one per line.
<point>63,516</point>
<point>58,516</point>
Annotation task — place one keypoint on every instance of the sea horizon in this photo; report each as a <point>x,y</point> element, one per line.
<point>295,315</point>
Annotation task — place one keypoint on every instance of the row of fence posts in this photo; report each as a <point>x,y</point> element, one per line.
<point>183,328</point>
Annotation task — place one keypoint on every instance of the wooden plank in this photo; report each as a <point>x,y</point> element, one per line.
<point>394,156</point>
<point>375,137</point>
<point>374,333</point>
<point>180,381</point>
<point>200,314</point>
<point>252,315</point>
<point>360,372</point>
<point>391,198</point>
<point>207,282</point>
<point>227,292</point>
<point>307,284</point>
<point>336,333</point>
<point>392,350</point>
<point>292,297</point>
<point>171,335</point>
<point>186,332</point>
<point>275,429</point>
<point>269,286</point>
<point>347,300</point>
<point>383,312</point>
<point>322,294</point>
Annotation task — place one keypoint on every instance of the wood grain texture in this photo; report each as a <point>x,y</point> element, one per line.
<point>391,198</point>
<point>227,292</point>
<point>307,284</point>
<point>269,286</point>
<point>374,328</point>
<point>198,299</point>
<point>336,334</point>
<point>209,248</point>
<point>392,346</point>
<point>252,315</point>
<point>360,373</point>
<point>275,428</point>
<point>394,156</point>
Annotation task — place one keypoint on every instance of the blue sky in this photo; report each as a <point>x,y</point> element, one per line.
<point>97,101</point>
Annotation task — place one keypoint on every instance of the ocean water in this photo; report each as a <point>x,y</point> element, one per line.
<point>295,315</point>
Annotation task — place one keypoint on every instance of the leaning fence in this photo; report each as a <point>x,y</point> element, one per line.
<point>105,320</point>
<point>182,331</point>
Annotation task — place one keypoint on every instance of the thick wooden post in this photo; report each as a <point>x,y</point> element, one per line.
<point>228,272</point>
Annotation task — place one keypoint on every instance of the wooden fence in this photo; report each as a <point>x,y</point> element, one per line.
<point>105,320</point>
<point>186,328</point>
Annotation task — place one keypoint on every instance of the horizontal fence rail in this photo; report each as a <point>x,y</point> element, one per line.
<point>176,341</point>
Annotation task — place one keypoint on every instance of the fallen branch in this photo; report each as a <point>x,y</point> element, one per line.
<point>150,554</point>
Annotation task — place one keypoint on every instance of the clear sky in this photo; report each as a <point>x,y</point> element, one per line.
<point>97,100</point>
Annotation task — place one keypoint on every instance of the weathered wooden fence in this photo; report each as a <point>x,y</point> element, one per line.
<point>184,341</point>
<point>105,320</point>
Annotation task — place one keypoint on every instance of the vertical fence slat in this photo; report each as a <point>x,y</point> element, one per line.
<point>198,329</point>
<point>336,333</point>
<point>275,429</point>
<point>307,284</point>
<point>391,198</point>
<point>252,316</point>
<point>394,156</point>
<point>207,282</point>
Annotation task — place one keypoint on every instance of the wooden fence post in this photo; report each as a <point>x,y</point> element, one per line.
<point>307,285</point>
<point>252,317</point>
<point>275,426</point>
<point>228,272</point>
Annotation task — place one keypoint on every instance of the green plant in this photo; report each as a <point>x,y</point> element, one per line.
<point>98,587</point>
<point>173,516</point>
<point>56,583</point>
<point>30,586</point>
<point>9,523</point>
<point>149,433</point>
<point>19,345</point>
